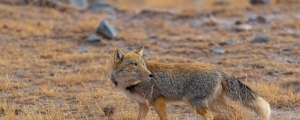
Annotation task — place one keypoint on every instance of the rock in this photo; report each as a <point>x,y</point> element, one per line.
<point>218,51</point>
<point>273,72</point>
<point>107,30</point>
<point>261,39</point>
<point>80,3</point>
<point>255,2</point>
<point>93,38</point>
<point>238,22</point>
<point>251,16</point>
<point>153,37</point>
<point>254,18</point>
<point>293,61</point>
<point>228,42</point>
<point>63,67</point>
<point>287,49</point>
<point>83,50</point>
<point>145,53</point>
<point>261,19</point>
<point>51,74</point>
<point>18,73</point>
<point>242,27</point>
<point>221,3</point>
<point>101,5</point>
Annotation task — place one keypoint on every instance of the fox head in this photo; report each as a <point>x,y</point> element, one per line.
<point>129,68</point>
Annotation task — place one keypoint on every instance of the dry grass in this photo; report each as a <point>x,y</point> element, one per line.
<point>42,75</point>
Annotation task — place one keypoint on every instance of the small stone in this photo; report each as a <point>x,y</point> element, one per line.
<point>261,39</point>
<point>63,67</point>
<point>51,74</point>
<point>101,5</point>
<point>107,30</point>
<point>288,60</point>
<point>238,22</point>
<point>293,61</point>
<point>273,72</point>
<point>93,38</point>
<point>145,53</point>
<point>243,27</point>
<point>287,49</point>
<point>83,50</point>
<point>80,3</point>
<point>153,37</point>
<point>228,42</point>
<point>18,73</point>
<point>253,18</point>
<point>221,3</point>
<point>255,2</point>
<point>218,51</point>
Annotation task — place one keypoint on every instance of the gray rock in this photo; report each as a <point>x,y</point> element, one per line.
<point>18,73</point>
<point>83,50</point>
<point>107,30</point>
<point>254,19</point>
<point>51,74</point>
<point>261,39</point>
<point>153,37</point>
<point>255,2</point>
<point>145,53</point>
<point>293,61</point>
<point>287,49</point>
<point>273,72</point>
<point>228,42</point>
<point>80,3</point>
<point>63,67</point>
<point>221,3</point>
<point>218,51</point>
<point>242,27</point>
<point>101,5</point>
<point>93,38</point>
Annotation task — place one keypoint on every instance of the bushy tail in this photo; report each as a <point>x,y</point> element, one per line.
<point>238,91</point>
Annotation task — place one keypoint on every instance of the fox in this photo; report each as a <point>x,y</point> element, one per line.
<point>202,87</point>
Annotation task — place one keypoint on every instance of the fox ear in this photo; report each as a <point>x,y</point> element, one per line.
<point>139,51</point>
<point>119,55</point>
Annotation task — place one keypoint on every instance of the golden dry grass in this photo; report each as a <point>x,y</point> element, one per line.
<point>43,76</point>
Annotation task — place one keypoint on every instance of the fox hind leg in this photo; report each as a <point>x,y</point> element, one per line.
<point>205,112</point>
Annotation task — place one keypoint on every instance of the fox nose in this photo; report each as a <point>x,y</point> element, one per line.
<point>151,75</point>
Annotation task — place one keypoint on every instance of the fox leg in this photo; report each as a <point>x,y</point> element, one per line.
<point>143,110</point>
<point>205,112</point>
<point>160,108</point>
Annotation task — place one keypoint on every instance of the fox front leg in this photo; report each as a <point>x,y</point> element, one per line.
<point>143,110</point>
<point>160,108</point>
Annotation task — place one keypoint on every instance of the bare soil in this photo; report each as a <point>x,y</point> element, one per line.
<point>43,76</point>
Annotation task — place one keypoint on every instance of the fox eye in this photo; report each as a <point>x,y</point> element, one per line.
<point>135,64</point>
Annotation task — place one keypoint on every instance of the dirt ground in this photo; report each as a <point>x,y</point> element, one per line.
<point>43,74</point>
